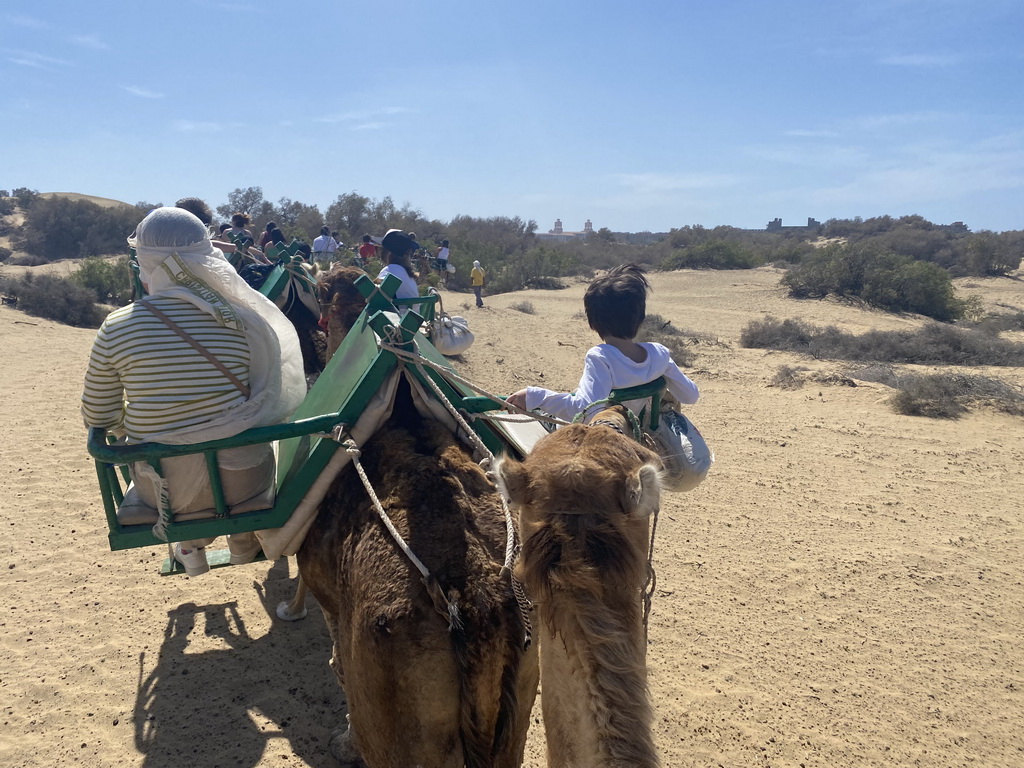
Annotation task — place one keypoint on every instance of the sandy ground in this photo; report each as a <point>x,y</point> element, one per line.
<point>845,588</point>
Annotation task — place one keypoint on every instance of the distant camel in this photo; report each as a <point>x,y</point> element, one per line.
<point>585,496</point>
<point>422,688</point>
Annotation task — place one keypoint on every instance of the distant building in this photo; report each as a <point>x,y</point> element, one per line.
<point>558,235</point>
<point>775,225</point>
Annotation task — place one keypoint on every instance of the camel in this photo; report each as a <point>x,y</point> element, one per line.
<point>585,496</point>
<point>423,689</point>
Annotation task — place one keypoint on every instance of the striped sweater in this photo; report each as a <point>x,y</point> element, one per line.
<point>143,377</point>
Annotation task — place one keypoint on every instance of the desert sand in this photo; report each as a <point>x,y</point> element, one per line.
<point>845,588</point>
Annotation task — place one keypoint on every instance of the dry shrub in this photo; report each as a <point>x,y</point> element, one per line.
<point>949,395</point>
<point>878,373</point>
<point>523,306</point>
<point>932,344</point>
<point>788,377</point>
<point>658,330</point>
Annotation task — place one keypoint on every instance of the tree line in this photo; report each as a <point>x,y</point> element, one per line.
<point>897,263</point>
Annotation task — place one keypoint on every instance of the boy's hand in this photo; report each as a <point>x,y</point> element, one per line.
<point>518,399</point>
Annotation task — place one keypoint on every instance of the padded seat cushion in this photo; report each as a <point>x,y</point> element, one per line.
<point>134,511</point>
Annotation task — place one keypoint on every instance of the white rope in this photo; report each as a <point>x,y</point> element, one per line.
<point>353,450</point>
<point>652,577</point>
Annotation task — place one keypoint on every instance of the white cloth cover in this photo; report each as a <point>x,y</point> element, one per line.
<point>194,271</point>
<point>450,334</point>
<point>682,449</point>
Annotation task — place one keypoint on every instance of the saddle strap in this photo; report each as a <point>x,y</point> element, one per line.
<point>163,318</point>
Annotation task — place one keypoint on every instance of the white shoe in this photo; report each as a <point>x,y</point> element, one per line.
<point>194,560</point>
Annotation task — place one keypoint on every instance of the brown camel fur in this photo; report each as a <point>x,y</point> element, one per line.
<point>341,303</point>
<point>423,689</point>
<point>585,495</point>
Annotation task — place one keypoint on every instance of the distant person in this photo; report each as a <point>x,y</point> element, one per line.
<point>325,246</point>
<point>197,208</point>
<point>147,383</point>
<point>239,222</point>
<point>477,278</point>
<point>368,250</point>
<point>441,256</point>
<point>265,235</point>
<point>396,249</point>
<point>615,305</point>
<point>275,245</point>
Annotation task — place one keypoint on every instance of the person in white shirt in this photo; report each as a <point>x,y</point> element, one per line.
<point>325,246</point>
<point>615,305</point>
<point>396,253</point>
<point>442,256</point>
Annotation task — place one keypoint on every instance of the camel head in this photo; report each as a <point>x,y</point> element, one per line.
<point>584,495</point>
<point>341,302</point>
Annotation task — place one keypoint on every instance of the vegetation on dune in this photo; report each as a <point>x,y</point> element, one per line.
<point>880,278</point>
<point>940,395</point>
<point>898,264</point>
<point>932,344</point>
<point>54,298</point>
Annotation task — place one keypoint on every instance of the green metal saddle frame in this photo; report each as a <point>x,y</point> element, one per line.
<point>305,445</point>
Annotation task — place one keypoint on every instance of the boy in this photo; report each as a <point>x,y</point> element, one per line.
<point>616,305</point>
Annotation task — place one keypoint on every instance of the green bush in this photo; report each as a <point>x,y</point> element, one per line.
<point>886,280</point>
<point>59,228</point>
<point>713,254</point>
<point>110,280</point>
<point>55,298</point>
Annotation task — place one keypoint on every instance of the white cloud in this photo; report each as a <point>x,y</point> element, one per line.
<point>144,93</point>
<point>89,41</point>
<point>366,119</point>
<point>192,126</point>
<point>807,133</point>
<point>27,21</point>
<point>36,60</point>
<point>921,60</point>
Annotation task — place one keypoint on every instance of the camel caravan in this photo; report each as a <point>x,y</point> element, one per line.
<point>462,549</point>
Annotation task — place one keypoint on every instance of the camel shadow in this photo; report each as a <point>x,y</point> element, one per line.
<point>229,707</point>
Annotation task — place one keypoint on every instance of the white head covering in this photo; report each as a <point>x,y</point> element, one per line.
<point>476,263</point>
<point>177,259</point>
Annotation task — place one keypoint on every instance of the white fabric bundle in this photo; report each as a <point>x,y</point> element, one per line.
<point>685,454</point>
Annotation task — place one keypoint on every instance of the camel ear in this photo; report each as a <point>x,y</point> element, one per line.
<point>512,480</point>
<point>643,491</point>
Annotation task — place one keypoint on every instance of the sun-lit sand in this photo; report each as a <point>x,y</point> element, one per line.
<point>844,589</point>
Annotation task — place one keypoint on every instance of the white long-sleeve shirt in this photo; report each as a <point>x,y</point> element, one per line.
<point>325,244</point>
<point>605,368</point>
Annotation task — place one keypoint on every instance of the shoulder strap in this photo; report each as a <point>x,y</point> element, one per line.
<point>163,318</point>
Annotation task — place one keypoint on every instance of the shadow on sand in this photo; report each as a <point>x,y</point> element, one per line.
<point>229,707</point>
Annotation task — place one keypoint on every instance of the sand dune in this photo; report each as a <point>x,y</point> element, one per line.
<point>844,589</point>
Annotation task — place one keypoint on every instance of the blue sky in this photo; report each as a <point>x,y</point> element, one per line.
<point>638,116</point>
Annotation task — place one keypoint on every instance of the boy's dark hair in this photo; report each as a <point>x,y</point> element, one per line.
<point>616,302</point>
<point>197,208</point>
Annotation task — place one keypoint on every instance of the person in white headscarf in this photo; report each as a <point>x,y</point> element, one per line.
<point>147,383</point>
